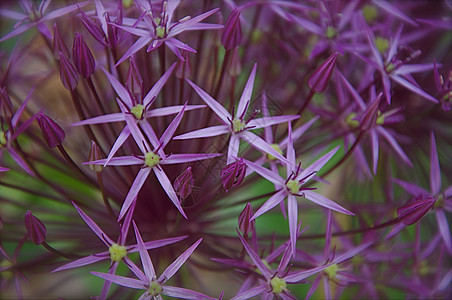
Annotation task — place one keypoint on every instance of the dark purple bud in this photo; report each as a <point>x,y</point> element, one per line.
<point>52,133</point>
<point>245,225</point>
<point>414,210</point>
<point>36,230</point>
<point>184,183</point>
<point>94,154</point>
<point>82,56</point>
<point>68,75</point>
<point>232,33</point>
<point>58,43</point>
<point>319,80</point>
<point>6,106</point>
<point>369,117</point>
<point>232,175</point>
<point>183,68</point>
<point>93,29</point>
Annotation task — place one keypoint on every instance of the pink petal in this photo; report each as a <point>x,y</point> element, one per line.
<point>150,133</point>
<point>158,86</point>
<point>392,141</point>
<point>325,202</point>
<point>256,259</point>
<point>169,132</point>
<point>140,43</point>
<point>270,203</point>
<point>134,190</point>
<point>124,281</point>
<point>388,7</point>
<point>99,232</point>
<point>16,31</point>
<point>182,293</point>
<point>170,110</point>
<point>233,148</point>
<point>293,220</point>
<point>298,132</point>
<point>204,132</point>
<point>137,135</point>
<point>217,108</point>
<point>119,89</point>
<point>444,229</point>
<point>191,22</point>
<point>375,149</point>
<point>413,88</point>
<point>167,186</point>
<point>16,157</point>
<point>83,261</point>
<point>435,172</point>
<point>118,161</point>
<point>125,133</point>
<point>144,255</point>
<point>184,158</point>
<point>63,11</point>
<point>19,111</point>
<point>269,121</point>
<point>115,117</point>
<point>246,95</point>
<point>411,188</point>
<point>177,264</point>
<point>260,144</point>
<point>266,173</point>
<point>317,165</point>
<point>251,292</point>
<point>298,276</point>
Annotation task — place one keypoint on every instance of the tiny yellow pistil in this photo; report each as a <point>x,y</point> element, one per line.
<point>151,159</point>
<point>382,44</point>
<point>7,274</point>
<point>330,32</point>
<point>389,68</point>
<point>370,13</point>
<point>238,125</point>
<point>160,32</point>
<point>155,288</point>
<point>351,121</point>
<point>293,186</point>
<point>127,3</point>
<point>277,148</point>
<point>117,252</point>
<point>439,204</point>
<point>424,268</point>
<point>137,111</point>
<point>2,138</point>
<point>278,285</point>
<point>380,119</point>
<point>331,271</point>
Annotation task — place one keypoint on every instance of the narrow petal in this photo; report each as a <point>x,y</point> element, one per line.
<point>262,145</point>
<point>148,267</point>
<point>119,89</point>
<point>175,43</point>
<point>408,69</point>
<point>255,258</point>
<point>150,133</point>
<point>375,149</point>
<point>293,220</point>
<point>217,108</point>
<point>137,135</point>
<point>177,264</point>
<point>16,31</point>
<point>385,5</point>
<point>412,188</point>
<point>125,133</point>
<point>298,132</point>
<point>266,173</point>
<point>233,148</point>
<point>124,281</point>
<point>64,10</point>
<point>371,40</point>
<point>169,132</point>
<point>158,86</point>
<point>298,276</point>
<point>184,158</point>
<point>251,292</point>
<point>140,43</point>
<point>107,283</point>
<point>444,229</point>
<point>435,172</point>
<point>170,110</point>
<point>83,261</point>
<point>204,132</point>
<point>118,161</point>
<point>167,186</point>
<point>317,165</point>
<point>413,88</point>
<point>19,111</point>
<point>182,293</point>
<point>246,95</point>
<point>290,151</point>
<point>156,244</point>
<point>116,117</point>
<point>99,232</point>
<point>393,142</point>
<point>269,121</point>
<point>270,203</point>
<point>325,202</point>
<point>134,190</point>
<point>19,161</point>
<point>351,253</point>
<point>191,22</point>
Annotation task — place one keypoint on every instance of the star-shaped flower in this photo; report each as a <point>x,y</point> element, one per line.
<point>153,159</point>
<point>158,29</point>
<point>237,126</point>
<point>155,287</point>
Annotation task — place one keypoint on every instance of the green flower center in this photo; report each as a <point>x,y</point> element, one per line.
<point>151,159</point>
<point>293,186</point>
<point>278,285</point>
<point>380,119</point>
<point>277,148</point>
<point>389,68</point>
<point>351,121</point>
<point>7,274</point>
<point>137,111</point>
<point>117,252</point>
<point>2,138</point>
<point>238,125</point>
<point>382,44</point>
<point>155,288</point>
<point>330,32</point>
<point>439,202</point>
<point>331,271</point>
<point>127,3</point>
<point>370,13</point>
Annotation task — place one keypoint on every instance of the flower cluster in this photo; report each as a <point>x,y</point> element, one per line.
<point>231,149</point>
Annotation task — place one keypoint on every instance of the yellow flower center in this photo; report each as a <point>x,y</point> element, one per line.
<point>380,119</point>
<point>2,138</point>
<point>277,148</point>
<point>278,285</point>
<point>330,32</point>
<point>7,274</point>
<point>331,271</point>
<point>117,252</point>
<point>127,3</point>
<point>350,120</point>
<point>155,288</point>
<point>151,159</point>
<point>293,186</point>
<point>370,13</point>
<point>137,111</point>
<point>238,125</point>
<point>382,44</point>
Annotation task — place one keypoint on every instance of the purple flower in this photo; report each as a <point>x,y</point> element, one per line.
<point>158,29</point>
<point>232,175</point>
<point>237,126</point>
<point>155,287</point>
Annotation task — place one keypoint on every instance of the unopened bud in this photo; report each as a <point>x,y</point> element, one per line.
<point>58,43</point>
<point>232,175</point>
<point>319,80</point>
<point>68,75</point>
<point>36,230</point>
<point>370,116</point>
<point>232,33</point>
<point>414,210</point>
<point>184,183</point>
<point>83,58</point>
<point>94,154</point>
<point>245,225</point>
<point>52,133</point>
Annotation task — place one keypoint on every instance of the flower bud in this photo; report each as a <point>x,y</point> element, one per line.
<point>68,75</point>
<point>36,230</point>
<point>232,175</point>
<point>184,183</point>
<point>369,118</point>
<point>245,225</point>
<point>232,33</point>
<point>414,210</point>
<point>82,56</point>
<point>58,43</point>
<point>94,154</point>
<point>319,80</point>
<point>52,133</point>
